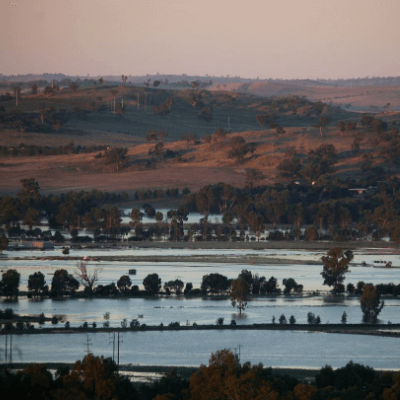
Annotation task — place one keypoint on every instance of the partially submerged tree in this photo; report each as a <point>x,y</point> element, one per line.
<point>370,303</point>
<point>10,283</point>
<point>37,284</point>
<point>152,283</point>
<point>239,294</point>
<point>335,267</point>
<point>88,279</point>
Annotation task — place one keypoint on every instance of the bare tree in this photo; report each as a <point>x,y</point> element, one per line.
<point>86,278</point>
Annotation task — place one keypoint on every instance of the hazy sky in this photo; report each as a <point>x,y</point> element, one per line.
<point>249,38</point>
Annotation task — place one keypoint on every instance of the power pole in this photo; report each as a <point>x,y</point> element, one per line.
<point>239,346</point>
<point>88,343</point>
<point>118,352</point>
<point>10,348</point>
<point>113,342</point>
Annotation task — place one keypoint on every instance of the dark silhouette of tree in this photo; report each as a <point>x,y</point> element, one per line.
<point>10,283</point>
<point>124,283</point>
<point>101,81</point>
<point>152,283</point>
<point>63,283</point>
<point>215,283</point>
<point>335,267</point>
<point>370,303</point>
<point>290,284</point>
<point>37,284</point>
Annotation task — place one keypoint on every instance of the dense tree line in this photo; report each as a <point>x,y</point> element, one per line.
<point>326,210</point>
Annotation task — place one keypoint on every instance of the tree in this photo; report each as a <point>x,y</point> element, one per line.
<point>290,284</point>
<point>215,283</point>
<point>370,303</point>
<point>282,320</point>
<point>335,267</point>
<point>238,148</point>
<point>73,86</point>
<point>239,294</point>
<point>34,89</point>
<point>96,378</point>
<point>101,81</point>
<point>124,283</point>
<point>37,284</point>
<point>63,283</point>
<point>253,176</point>
<point>86,278</point>
<point>152,283</point>
<point>344,318</point>
<point>322,123</point>
<point>263,119</point>
<point>116,156</point>
<point>292,320</point>
<point>10,283</point>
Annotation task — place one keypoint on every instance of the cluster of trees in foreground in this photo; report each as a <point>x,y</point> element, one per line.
<point>224,378</point>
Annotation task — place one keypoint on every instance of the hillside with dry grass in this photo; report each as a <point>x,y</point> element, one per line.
<point>181,138</point>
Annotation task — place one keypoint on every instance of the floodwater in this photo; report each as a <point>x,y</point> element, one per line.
<point>198,310</point>
<point>177,348</point>
<point>284,349</point>
<point>201,311</point>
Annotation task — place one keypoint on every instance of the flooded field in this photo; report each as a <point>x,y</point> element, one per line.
<point>273,348</point>
<point>284,349</point>
<point>198,310</point>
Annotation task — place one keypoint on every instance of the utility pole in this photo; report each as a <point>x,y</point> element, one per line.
<point>118,352</point>
<point>113,342</point>
<point>239,346</point>
<point>88,343</point>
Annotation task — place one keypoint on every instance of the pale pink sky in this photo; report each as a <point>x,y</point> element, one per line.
<point>249,38</point>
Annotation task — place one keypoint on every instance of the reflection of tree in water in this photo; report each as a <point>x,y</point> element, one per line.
<point>9,351</point>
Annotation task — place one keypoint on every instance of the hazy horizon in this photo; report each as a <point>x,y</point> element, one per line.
<point>294,39</point>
